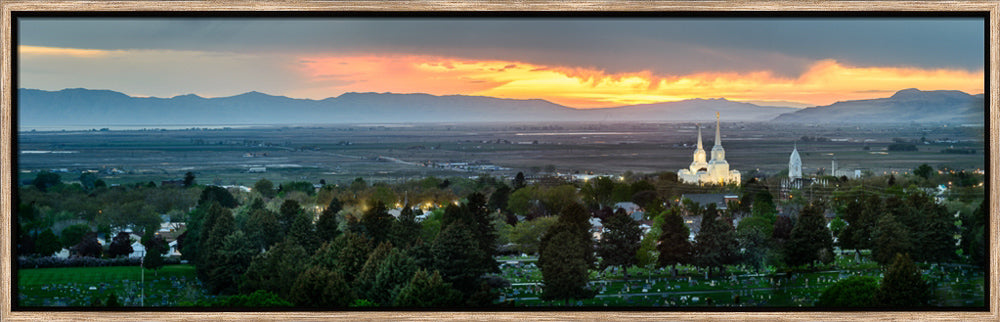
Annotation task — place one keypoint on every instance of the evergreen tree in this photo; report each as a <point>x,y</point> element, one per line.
<point>890,238</point>
<point>318,286</point>
<point>392,276</point>
<point>620,241</point>
<point>903,285</point>
<point>456,257</point>
<point>188,179</point>
<point>427,290</point>
<point>276,270</point>
<point>518,181</point>
<point>263,229</point>
<point>810,240</point>
<point>217,280</point>
<point>406,230</point>
<point>365,281</point>
<point>233,259</point>
<point>566,254</point>
<point>377,222</point>
<point>289,211</point>
<point>484,232</point>
<point>327,227</point>
<point>675,247</point>
<point>156,247</point>
<point>935,237</point>
<point>304,232</point>
<point>715,244</point>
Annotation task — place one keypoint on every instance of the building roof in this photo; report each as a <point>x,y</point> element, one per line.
<point>704,199</point>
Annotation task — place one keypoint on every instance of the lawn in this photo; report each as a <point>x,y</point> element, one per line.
<point>79,286</point>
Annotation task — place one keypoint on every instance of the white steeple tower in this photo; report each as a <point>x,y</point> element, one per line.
<point>718,153</point>
<point>795,164</point>
<point>698,162</point>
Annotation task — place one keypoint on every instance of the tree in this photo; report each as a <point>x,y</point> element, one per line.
<point>715,245</point>
<point>393,275</point>
<point>47,243</point>
<point>518,181</point>
<point>455,254</point>
<point>810,240</point>
<point>675,247</point>
<point>155,246</point>
<point>854,292</point>
<point>289,211</point>
<point>406,230</point>
<point>923,171</point>
<point>566,255</point>
<point>233,259</point>
<point>276,270</point>
<point>890,238</point>
<point>217,194</point>
<point>46,179</point>
<point>752,233</point>
<point>527,235</point>
<point>265,188</point>
<point>88,246</point>
<point>903,285</point>
<point>73,234</point>
<point>620,241</point>
<point>87,180</point>
<point>121,245</point>
<point>263,229</point>
<point>427,290</point>
<point>974,235</point>
<point>327,227</point>
<point>188,179</point>
<point>364,283</point>
<point>304,232</point>
<point>377,222</point>
<point>935,233</point>
<point>499,198</point>
<point>483,231</point>
<point>318,286</point>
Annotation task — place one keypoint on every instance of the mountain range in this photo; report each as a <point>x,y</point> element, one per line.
<point>98,108</point>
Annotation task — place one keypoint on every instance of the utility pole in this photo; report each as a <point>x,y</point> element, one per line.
<point>142,285</point>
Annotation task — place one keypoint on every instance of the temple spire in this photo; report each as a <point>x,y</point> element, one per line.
<point>718,138</point>
<point>699,137</point>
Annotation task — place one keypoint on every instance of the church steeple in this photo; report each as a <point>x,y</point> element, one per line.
<point>699,138</point>
<point>718,138</point>
<point>718,153</point>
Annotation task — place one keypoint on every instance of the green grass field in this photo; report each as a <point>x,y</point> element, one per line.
<point>78,286</point>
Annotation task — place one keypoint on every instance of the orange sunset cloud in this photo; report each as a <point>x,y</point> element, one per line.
<point>824,82</point>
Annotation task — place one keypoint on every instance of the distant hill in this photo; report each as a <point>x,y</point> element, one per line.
<point>86,107</point>
<point>908,105</point>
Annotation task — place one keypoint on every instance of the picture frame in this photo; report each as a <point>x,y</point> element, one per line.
<point>9,9</point>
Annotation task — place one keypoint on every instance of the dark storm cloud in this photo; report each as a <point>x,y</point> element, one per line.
<point>670,46</point>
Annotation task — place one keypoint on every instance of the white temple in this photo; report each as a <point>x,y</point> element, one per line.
<point>716,170</point>
<point>795,164</point>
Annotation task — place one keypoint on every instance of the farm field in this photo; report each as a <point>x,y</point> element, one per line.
<point>396,152</point>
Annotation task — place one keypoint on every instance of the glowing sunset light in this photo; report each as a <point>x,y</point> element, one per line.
<point>823,83</point>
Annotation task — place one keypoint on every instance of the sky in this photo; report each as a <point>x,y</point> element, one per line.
<point>576,62</point>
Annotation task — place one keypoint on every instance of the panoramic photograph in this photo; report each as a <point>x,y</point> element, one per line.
<point>500,163</point>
